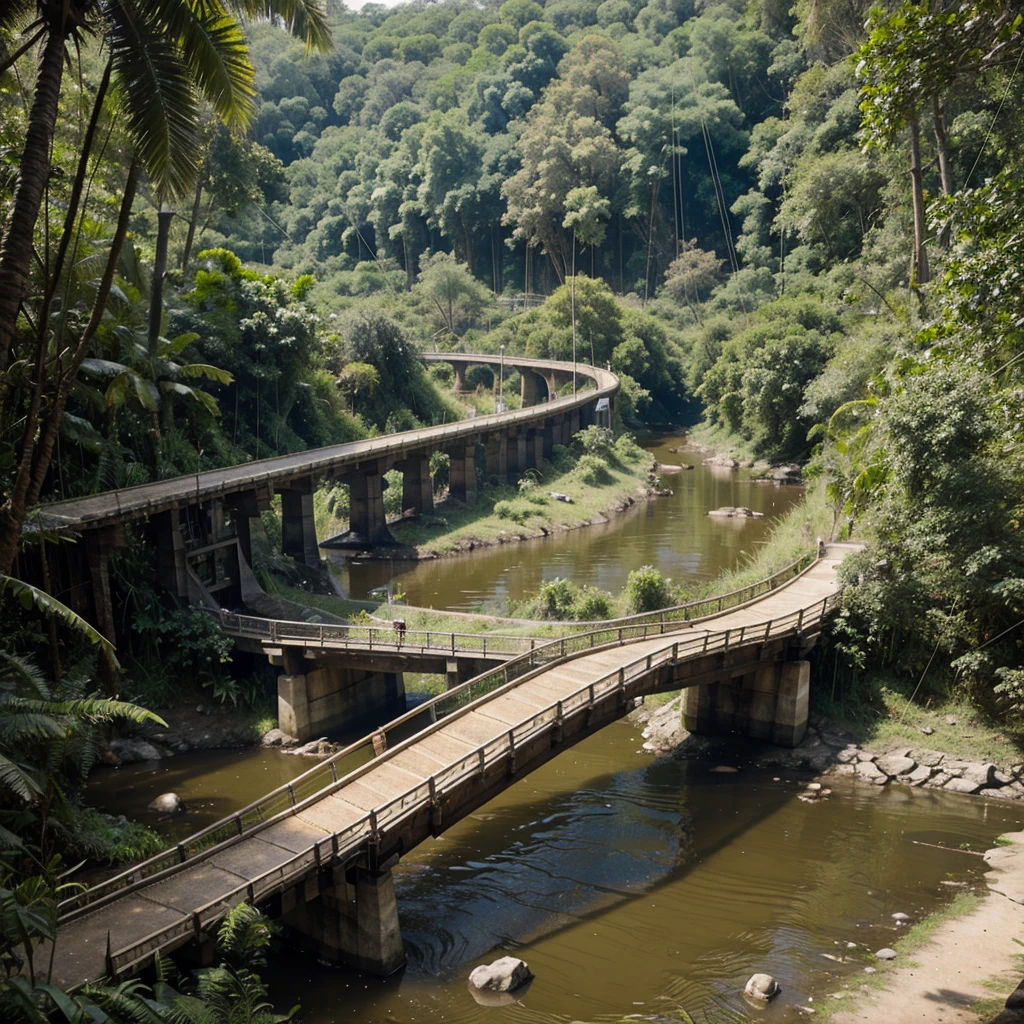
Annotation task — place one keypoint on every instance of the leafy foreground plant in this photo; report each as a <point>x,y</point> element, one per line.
<point>230,993</point>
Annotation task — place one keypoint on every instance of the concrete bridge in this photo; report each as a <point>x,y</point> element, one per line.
<point>318,852</point>
<point>200,523</point>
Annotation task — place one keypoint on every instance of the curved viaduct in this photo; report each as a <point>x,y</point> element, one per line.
<point>318,852</point>
<point>200,523</point>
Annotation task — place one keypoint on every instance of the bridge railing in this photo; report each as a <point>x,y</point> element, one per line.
<point>344,636</point>
<point>623,684</point>
<point>327,773</point>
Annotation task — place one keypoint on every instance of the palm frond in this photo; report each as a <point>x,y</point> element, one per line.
<point>208,372</point>
<point>157,95</point>
<point>30,597</point>
<point>215,51</point>
<point>15,779</point>
<point>305,19</point>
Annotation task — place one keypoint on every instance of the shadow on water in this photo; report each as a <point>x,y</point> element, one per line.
<point>640,887</point>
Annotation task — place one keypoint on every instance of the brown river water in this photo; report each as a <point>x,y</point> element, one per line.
<point>673,533</point>
<point>633,887</point>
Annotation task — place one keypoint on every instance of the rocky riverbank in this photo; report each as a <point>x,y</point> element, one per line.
<point>827,750</point>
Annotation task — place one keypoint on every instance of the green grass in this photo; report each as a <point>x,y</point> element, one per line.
<point>455,525</point>
<point>878,714</point>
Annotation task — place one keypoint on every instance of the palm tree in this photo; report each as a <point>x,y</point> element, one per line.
<point>163,58</point>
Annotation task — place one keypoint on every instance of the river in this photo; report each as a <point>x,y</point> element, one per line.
<point>632,886</point>
<point>674,533</point>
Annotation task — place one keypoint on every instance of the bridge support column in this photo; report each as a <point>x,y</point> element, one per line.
<point>574,423</point>
<point>298,529</point>
<point>462,473</point>
<point>550,437</point>
<point>460,378</point>
<point>417,487</point>
<point>790,724</point>
<point>98,545</point>
<point>366,520</point>
<point>536,447</point>
<point>530,389</point>
<point>172,574</point>
<point>354,921</point>
<point>497,457</point>
<point>522,452</point>
<point>316,697</point>
<point>769,704</point>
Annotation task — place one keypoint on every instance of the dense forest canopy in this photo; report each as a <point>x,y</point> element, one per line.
<point>228,226</point>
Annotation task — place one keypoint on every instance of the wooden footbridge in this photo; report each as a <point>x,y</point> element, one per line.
<point>318,851</point>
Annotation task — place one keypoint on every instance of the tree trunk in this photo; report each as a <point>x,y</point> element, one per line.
<point>572,309</point>
<point>74,201</point>
<point>942,149</point>
<point>34,171</point>
<point>192,221</point>
<point>919,274</point>
<point>36,455</point>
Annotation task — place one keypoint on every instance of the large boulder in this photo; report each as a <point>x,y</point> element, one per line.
<point>504,975</point>
<point>131,749</point>
<point>167,803</point>
<point>870,772</point>
<point>278,738</point>
<point>956,785</point>
<point>894,764</point>
<point>762,988</point>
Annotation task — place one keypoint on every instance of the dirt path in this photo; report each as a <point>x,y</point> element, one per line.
<point>948,973</point>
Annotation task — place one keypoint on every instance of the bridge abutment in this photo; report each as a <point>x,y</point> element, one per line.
<point>316,697</point>
<point>770,703</point>
<point>354,922</point>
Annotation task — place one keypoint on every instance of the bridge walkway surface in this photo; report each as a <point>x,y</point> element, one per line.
<point>400,791</point>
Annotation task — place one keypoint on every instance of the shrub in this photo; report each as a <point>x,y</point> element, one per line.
<point>647,590</point>
<point>593,470</point>
<point>595,440</point>
<point>513,512</point>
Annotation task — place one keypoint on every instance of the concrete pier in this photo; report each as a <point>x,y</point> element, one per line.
<point>417,486</point>
<point>366,507</point>
<point>353,921</point>
<point>298,528</point>
<point>770,703</point>
<point>315,697</point>
<point>462,473</point>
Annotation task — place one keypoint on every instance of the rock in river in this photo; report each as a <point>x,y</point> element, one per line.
<point>504,975</point>
<point>762,988</point>
<point>167,803</point>
<point>130,749</point>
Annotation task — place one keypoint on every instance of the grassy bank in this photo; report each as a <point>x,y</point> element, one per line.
<point>599,487</point>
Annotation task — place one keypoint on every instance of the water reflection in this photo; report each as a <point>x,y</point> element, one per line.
<point>673,533</point>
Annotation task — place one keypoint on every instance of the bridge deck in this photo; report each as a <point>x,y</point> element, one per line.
<point>129,919</point>
<point>132,503</point>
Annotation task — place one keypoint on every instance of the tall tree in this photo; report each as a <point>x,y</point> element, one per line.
<point>164,57</point>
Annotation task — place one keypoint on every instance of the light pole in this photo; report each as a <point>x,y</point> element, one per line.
<point>501,382</point>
